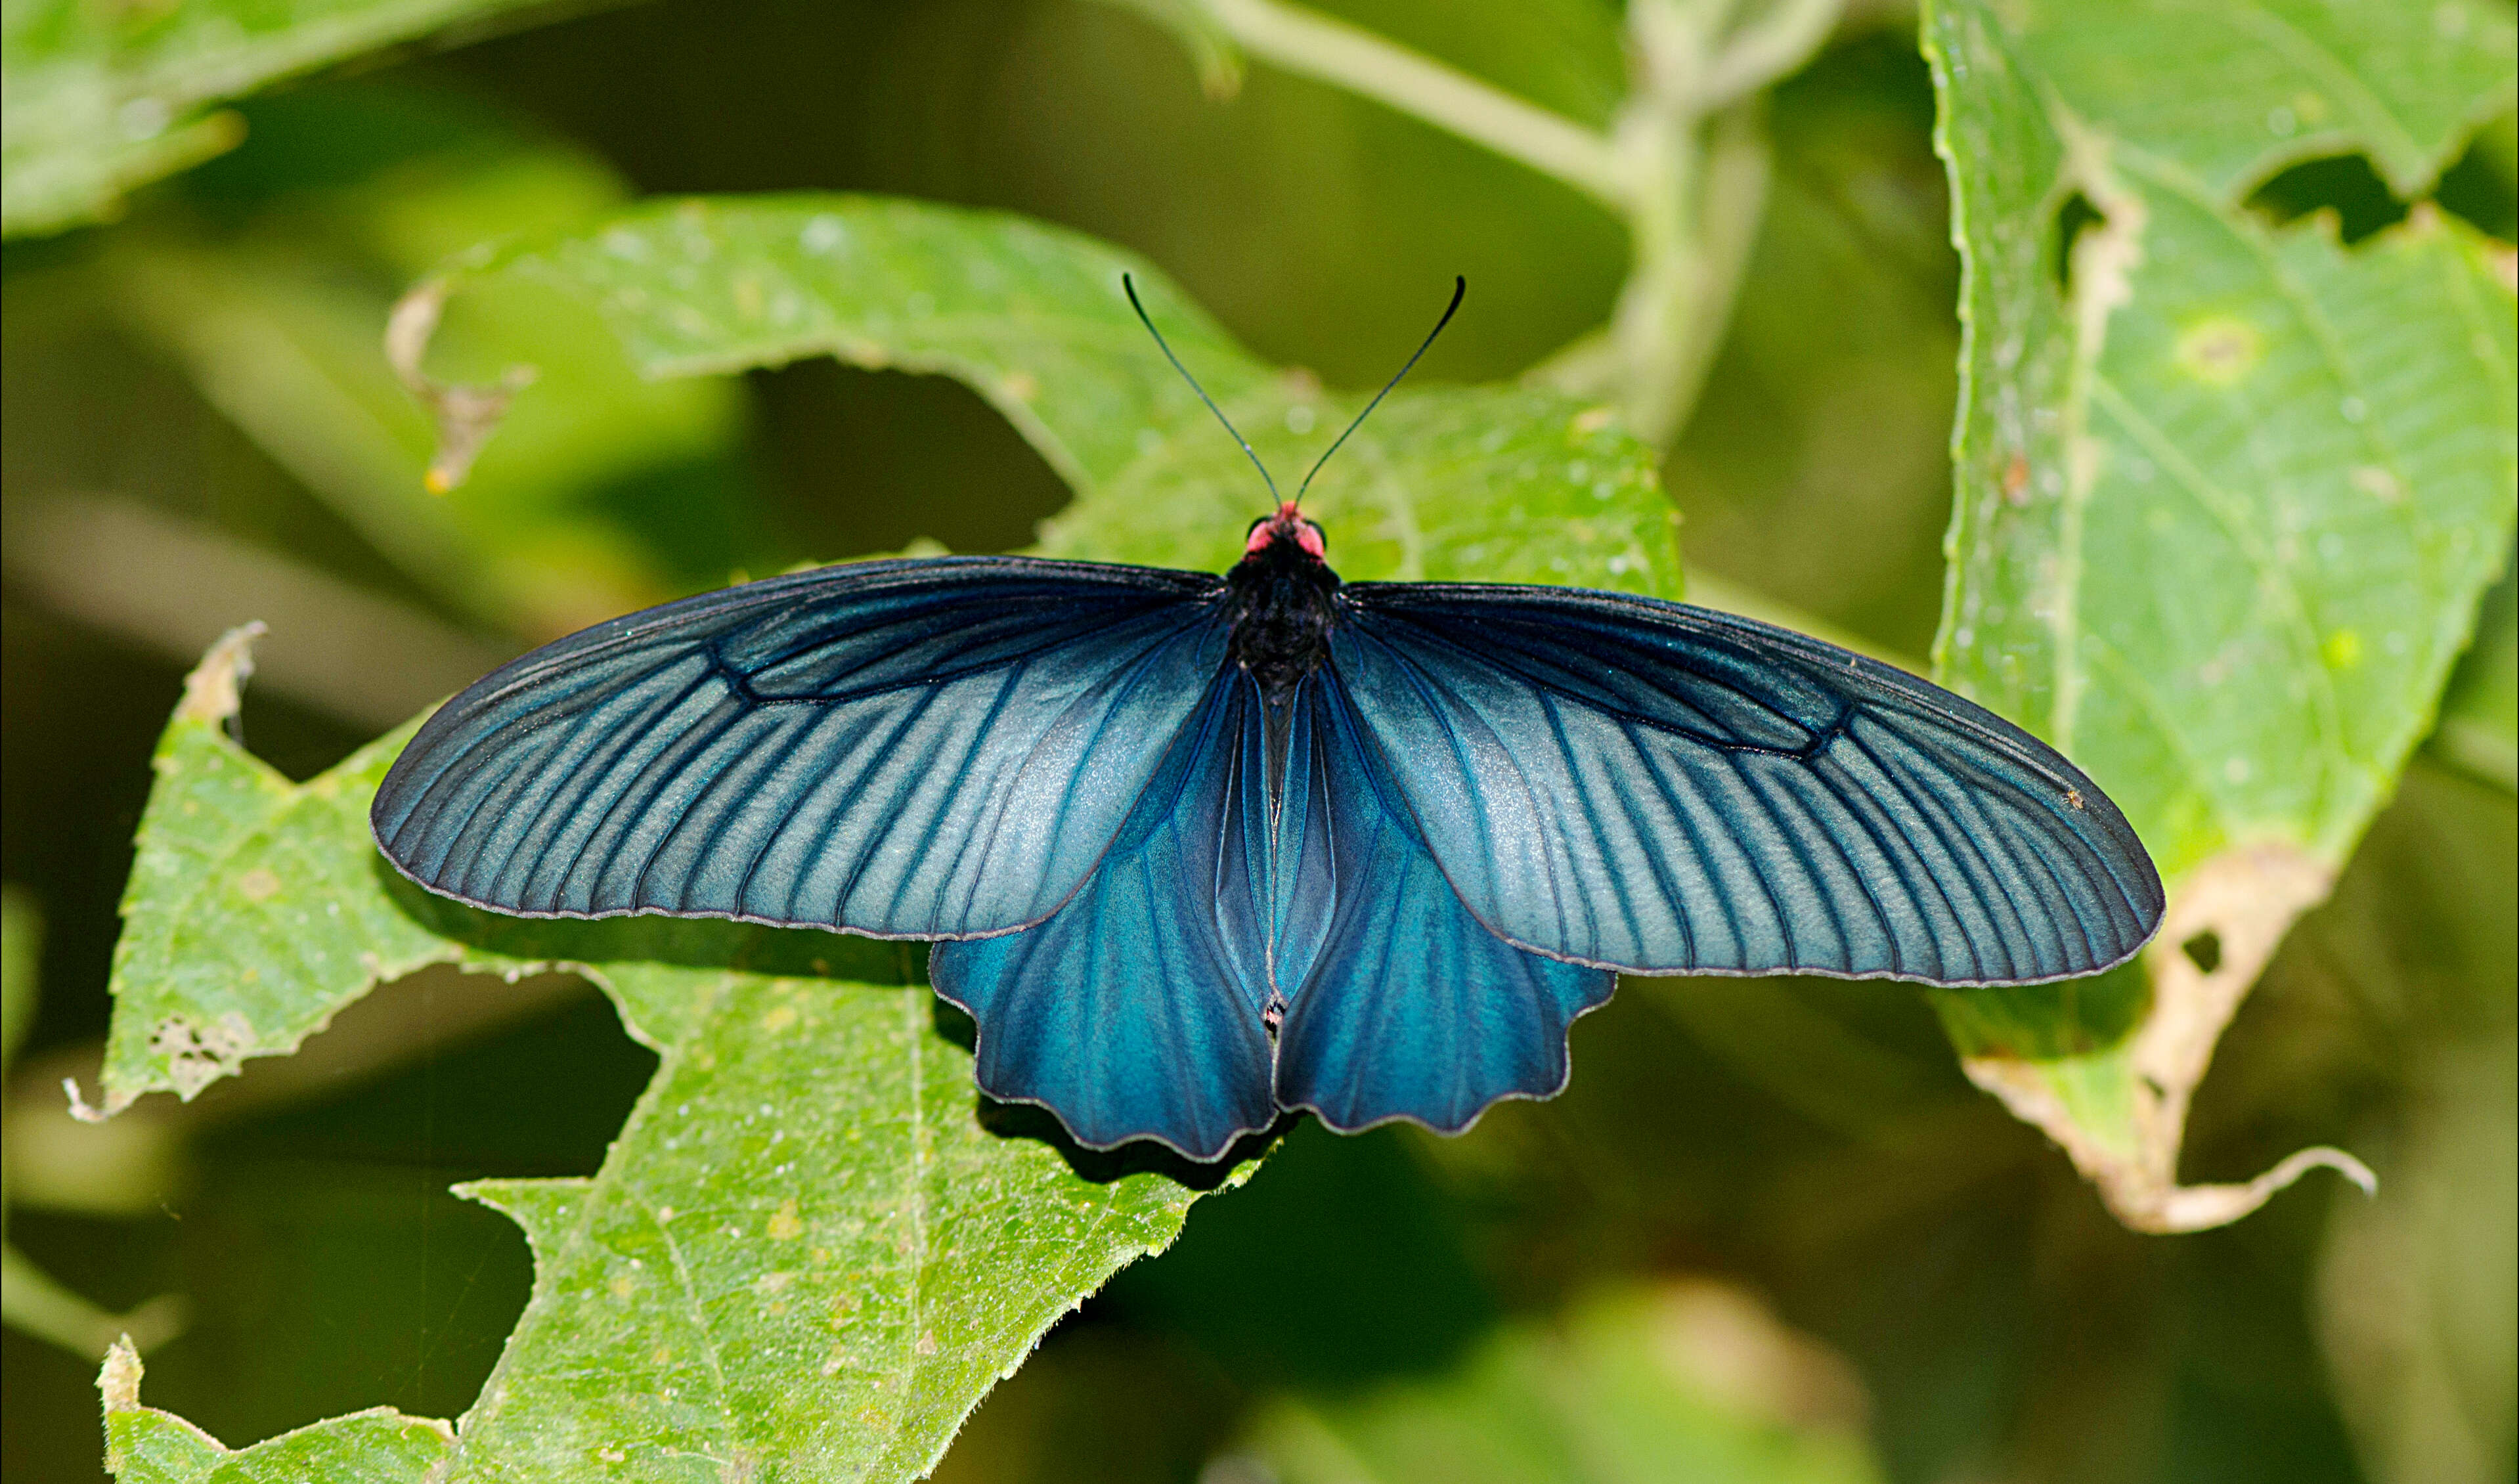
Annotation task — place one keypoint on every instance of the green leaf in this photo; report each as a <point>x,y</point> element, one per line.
<point>2224,93</point>
<point>1690,1381</point>
<point>146,1445</point>
<point>2227,497</point>
<point>1441,483</point>
<point>102,99</point>
<point>805,1252</point>
<point>279,327</point>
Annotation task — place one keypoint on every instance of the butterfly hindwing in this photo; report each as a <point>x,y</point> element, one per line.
<point>1662,788</point>
<point>1138,1009</point>
<point>1408,1008</point>
<point>910,747</point>
<point>1135,1011</point>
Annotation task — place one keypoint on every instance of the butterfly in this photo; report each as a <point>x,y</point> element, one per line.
<point>1198,850</point>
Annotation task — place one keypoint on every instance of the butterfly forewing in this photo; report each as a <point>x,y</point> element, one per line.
<point>1661,789</point>
<point>928,749</point>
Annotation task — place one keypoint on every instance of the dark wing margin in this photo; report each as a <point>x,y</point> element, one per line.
<point>935,748</point>
<point>1661,789</point>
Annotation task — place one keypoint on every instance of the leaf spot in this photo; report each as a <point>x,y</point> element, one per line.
<point>260,883</point>
<point>2221,350</point>
<point>785,1224</point>
<point>779,1019</point>
<point>198,1055</point>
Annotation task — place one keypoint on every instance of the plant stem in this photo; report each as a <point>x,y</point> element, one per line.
<point>1334,52</point>
<point>1777,42</point>
<point>1732,206</point>
<point>1685,167</point>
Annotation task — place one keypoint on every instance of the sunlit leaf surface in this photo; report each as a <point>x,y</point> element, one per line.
<point>2228,492</point>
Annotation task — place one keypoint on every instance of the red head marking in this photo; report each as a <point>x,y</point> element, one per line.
<point>1288,523</point>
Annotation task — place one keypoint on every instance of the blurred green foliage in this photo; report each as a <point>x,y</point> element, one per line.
<point>1765,1209</point>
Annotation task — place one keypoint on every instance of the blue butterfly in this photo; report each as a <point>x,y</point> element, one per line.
<point>1202,850</point>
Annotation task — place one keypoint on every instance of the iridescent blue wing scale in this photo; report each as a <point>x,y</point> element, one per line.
<point>1135,1012</point>
<point>919,749</point>
<point>1408,1008</point>
<point>1660,789</point>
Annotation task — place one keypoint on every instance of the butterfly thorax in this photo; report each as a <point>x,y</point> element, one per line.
<point>1282,597</point>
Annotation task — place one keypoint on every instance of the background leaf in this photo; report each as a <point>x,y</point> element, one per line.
<point>1442,483</point>
<point>2478,722</point>
<point>102,100</point>
<point>280,330</point>
<point>1693,1382</point>
<point>2228,493</point>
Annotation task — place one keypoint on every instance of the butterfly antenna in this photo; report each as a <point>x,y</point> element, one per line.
<point>1460,287</point>
<point>1131,284</point>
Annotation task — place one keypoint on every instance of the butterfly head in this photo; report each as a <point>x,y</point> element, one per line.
<point>1288,526</point>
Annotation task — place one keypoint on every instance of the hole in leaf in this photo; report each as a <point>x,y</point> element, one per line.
<point>2073,218</point>
<point>2483,186</point>
<point>863,460</point>
<point>2204,950</point>
<point>322,1215</point>
<point>2344,183</point>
